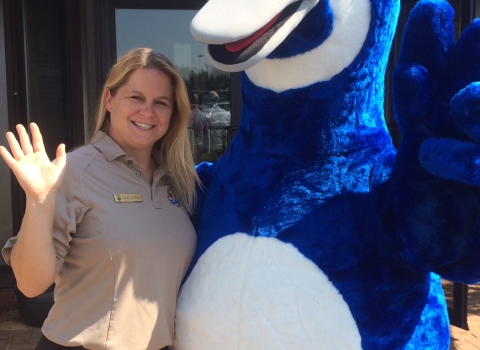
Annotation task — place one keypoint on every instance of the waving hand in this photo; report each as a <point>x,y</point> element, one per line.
<point>437,171</point>
<point>30,164</point>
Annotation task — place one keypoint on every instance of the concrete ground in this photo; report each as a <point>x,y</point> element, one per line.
<point>14,333</point>
<point>462,339</point>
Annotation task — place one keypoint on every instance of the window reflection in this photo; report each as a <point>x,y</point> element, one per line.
<point>209,124</point>
<point>168,31</point>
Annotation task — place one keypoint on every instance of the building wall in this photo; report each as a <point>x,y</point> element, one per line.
<point>5,187</point>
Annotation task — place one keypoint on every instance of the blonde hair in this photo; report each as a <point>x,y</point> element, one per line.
<point>174,146</point>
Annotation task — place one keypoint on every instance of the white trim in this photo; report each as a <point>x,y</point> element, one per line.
<point>206,26</point>
<point>350,29</point>
<point>226,21</point>
<point>255,293</point>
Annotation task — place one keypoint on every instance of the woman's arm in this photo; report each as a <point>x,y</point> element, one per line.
<point>33,256</point>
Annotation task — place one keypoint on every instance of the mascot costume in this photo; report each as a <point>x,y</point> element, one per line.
<point>314,232</point>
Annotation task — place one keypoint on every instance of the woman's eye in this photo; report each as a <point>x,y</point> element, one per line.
<point>162,103</point>
<point>137,98</point>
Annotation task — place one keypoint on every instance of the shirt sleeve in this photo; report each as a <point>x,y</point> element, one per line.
<point>69,212</point>
<point>7,249</point>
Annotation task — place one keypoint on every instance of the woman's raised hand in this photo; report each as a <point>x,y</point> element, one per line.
<point>29,162</point>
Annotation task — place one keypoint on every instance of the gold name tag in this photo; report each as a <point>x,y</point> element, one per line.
<point>127,198</point>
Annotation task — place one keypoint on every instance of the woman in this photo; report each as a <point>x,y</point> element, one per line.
<point>122,239</point>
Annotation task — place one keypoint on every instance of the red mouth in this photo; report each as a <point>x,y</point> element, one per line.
<point>243,43</point>
<point>244,49</point>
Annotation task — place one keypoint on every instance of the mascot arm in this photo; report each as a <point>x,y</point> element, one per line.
<point>435,178</point>
<point>203,172</point>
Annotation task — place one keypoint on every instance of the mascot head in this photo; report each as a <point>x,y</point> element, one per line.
<point>291,44</point>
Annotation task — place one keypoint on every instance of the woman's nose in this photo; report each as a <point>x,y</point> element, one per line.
<point>147,110</point>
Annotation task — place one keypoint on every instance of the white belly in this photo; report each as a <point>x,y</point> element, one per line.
<point>260,293</point>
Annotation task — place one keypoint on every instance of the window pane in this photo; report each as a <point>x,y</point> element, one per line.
<point>46,72</point>
<point>168,31</point>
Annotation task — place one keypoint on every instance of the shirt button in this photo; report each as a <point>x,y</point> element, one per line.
<point>130,161</point>
<point>139,174</point>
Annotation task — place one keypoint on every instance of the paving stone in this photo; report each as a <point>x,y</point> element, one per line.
<point>466,339</point>
<point>474,342</point>
<point>463,347</point>
<point>15,335</point>
<point>19,338</point>
<point>21,347</point>
<point>35,335</point>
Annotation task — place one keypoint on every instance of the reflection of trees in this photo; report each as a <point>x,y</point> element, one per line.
<point>204,80</point>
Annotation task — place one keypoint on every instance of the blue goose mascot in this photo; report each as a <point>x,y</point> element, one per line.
<point>314,232</point>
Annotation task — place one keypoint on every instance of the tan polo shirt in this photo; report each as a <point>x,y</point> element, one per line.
<point>119,264</point>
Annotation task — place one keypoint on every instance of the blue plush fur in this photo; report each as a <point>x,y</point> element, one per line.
<point>438,215</point>
<point>315,167</point>
<point>310,33</point>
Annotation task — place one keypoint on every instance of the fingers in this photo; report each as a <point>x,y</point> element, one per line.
<point>429,33</point>
<point>465,110</point>
<point>22,146</point>
<point>37,139</point>
<point>24,140</point>
<point>15,148</point>
<point>462,158</point>
<point>7,157</point>
<point>61,156</point>
<point>413,91</point>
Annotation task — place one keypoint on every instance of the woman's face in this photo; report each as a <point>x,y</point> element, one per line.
<point>140,111</point>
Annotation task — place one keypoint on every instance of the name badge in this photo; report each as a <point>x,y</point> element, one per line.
<point>127,198</point>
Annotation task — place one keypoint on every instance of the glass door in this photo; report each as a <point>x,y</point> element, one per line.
<point>168,31</point>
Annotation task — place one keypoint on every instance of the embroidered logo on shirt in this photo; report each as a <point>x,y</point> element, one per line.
<point>172,196</point>
<point>127,198</point>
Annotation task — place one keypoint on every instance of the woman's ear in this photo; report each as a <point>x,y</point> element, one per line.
<point>107,98</point>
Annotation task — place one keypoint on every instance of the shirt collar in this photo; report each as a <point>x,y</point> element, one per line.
<point>111,150</point>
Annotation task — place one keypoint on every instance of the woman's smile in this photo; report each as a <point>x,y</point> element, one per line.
<point>143,126</point>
